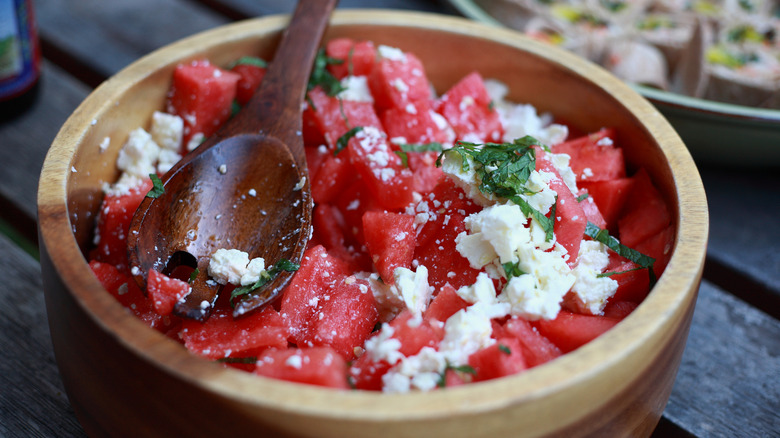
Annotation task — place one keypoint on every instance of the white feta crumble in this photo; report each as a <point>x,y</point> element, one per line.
<point>167,130</point>
<point>228,265</point>
<point>410,290</point>
<point>391,53</point>
<point>591,291</point>
<point>139,154</point>
<point>254,270</point>
<point>222,168</point>
<point>355,88</point>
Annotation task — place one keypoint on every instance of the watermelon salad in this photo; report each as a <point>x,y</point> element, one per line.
<point>457,237</point>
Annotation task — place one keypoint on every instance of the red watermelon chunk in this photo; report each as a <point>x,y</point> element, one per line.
<point>358,57</point>
<point>390,238</point>
<point>501,359</point>
<point>335,174</point>
<point>345,317</point>
<point>397,80</point>
<point>658,246</point>
<point>570,219</point>
<point>537,349</point>
<point>570,331</point>
<point>353,203</point>
<point>468,109</point>
<point>381,169</point>
<point>202,94</point>
<point>250,76</point>
<point>122,287</point>
<point>329,229</point>
<point>426,174</point>
<point>315,278</point>
<point>609,196</point>
<point>417,123</point>
<point>334,117</point>
<point>633,283</point>
<point>645,213</point>
<point>445,304</point>
<point>224,336</point>
<point>320,366</point>
<point>594,157</point>
<point>591,210</point>
<point>164,292</point>
<point>113,224</point>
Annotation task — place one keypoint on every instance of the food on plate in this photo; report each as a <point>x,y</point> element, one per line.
<point>652,42</point>
<point>457,237</point>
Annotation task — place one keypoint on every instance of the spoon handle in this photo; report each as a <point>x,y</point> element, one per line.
<point>276,105</point>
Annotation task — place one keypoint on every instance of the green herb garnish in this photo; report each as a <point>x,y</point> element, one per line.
<point>609,274</point>
<point>248,60</point>
<point>512,269</point>
<point>463,369</point>
<point>268,275</point>
<point>193,275</point>
<point>504,349</point>
<point>322,77</point>
<point>582,197</point>
<point>157,187</point>
<point>417,147</point>
<point>504,169</point>
<point>612,243</point>
<point>342,142</point>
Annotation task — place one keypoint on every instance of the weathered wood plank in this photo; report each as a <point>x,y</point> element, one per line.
<point>32,400</point>
<point>744,237</point>
<point>106,35</point>
<point>729,379</point>
<point>26,138</point>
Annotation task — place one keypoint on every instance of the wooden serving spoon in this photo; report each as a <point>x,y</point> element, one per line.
<point>246,187</point>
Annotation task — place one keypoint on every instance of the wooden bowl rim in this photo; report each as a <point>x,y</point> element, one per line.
<point>671,296</point>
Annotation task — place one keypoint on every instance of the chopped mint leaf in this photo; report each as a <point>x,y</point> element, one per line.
<point>267,275</point>
<point>582,197</point>
<point>193,275</point>
<point>612,243</point>
<point>422,147</point>
<point>235,108</point>
<point>248,60</point>
<point>609,274</point>
<point>157,187</point>
<point>322,77</point>
<point>463,369</point>
<point>404,158</point>
<point>504,169</point>
<point>342,142</point>
<point>512,269</point>
<point>504,349</point>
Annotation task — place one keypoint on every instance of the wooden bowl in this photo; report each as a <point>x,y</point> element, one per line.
<point>125,379</point>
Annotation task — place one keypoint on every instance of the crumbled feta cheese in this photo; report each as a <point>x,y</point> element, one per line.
<point>167,130</point>
<point>254,270</point>
<point>591,291</point>
<point>139,154</point>
<point>391,53</point>
<point>355,89</point>
<point>419,372</point>
<point>228,265</point>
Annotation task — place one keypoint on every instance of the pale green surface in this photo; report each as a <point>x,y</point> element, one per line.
<point>714,132</point>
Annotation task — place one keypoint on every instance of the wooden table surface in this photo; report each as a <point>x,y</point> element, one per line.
<point>729,381</point>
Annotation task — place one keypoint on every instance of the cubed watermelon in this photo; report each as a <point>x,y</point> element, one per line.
<point>390,238</point>
<point>320,366</point>
<point>397,80</point>
<point>570,331</point>
<point>345,317</point>
<point>594,157</point>
<point>113,225</point>
<point>358,57</point>
<point>469,110</point>
<point>335,117</point>
<point>537,349</point>
<point>645,213</point>
<point>250,77</point>
<point>417,123</point>
<point>445,304</point>
<point>501,359</point>
<point>202,94</point>
<point>609,196</point>
<point>164,291</point>
<point>224,336</point>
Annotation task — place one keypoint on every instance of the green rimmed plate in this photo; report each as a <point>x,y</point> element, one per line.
<point>715,133</point>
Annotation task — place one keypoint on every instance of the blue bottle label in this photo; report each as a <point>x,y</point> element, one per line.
<point>19,52</point>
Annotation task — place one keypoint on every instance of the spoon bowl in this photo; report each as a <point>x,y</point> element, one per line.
<point>246,187</point>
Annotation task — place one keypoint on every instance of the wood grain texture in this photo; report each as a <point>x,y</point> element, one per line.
<point>596,386</point>
<point>29,378</point>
